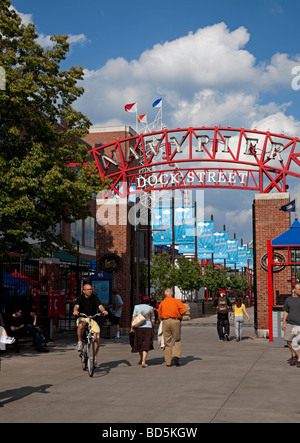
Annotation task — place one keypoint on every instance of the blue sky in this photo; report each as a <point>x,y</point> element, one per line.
<point>213,62</point>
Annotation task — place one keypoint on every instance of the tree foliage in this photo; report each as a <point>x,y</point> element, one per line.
<point>215,279</point>
<point>37,187</point>
<point>188,275</point>
<point>162,274</point>
<point>238,283</point>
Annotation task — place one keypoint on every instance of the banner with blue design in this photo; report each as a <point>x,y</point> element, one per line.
<point>232,251</point>
<point>205,239</point>
<point>162,226</point>
<point>189,248</point>
<point>250,258</point>
<point>220,245</point>
<point>184,225</point>
<point>242,254</point>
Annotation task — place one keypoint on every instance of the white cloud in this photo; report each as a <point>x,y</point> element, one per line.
<point>279,123</point>
<point>45,42</point>
<point>26,18</point>
<point>206,77</point>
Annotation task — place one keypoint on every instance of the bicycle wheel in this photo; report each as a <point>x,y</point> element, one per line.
<point>84,359</point>
<point>90,357</point>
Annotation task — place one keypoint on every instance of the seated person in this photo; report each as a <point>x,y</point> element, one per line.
<point>20,328</point>
<point>4,339</point>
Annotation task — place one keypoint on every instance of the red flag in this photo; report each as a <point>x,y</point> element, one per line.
<point>143,118</point>
<point>131,107</point>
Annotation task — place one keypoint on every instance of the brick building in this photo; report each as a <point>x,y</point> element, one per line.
<point>269,223</point>
<point>119,237</point>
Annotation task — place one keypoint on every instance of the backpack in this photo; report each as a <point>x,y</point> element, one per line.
<point>222,307</point>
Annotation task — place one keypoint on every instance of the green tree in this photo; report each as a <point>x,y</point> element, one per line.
<point>188,275</point>
<point>215,279</point>
<point>38,189</point>
<point>162,274</point>
<point>238,283</point>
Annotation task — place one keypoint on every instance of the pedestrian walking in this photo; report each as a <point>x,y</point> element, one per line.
<point>223,306</point>
<point>144,333</point>
<point>170,312</point>
<point>239,310</point>
<point>291,318</point>
<point>115,311</point>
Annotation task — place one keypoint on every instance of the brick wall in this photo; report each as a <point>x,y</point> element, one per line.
<point>270,222</point>
<point>115,237</point>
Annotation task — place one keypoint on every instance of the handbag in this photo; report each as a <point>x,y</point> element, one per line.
<point>139,319</point>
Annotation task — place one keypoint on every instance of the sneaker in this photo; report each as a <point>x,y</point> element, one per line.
<point>95,362</point>
<point>293,360</point>
<point>116,338</point>
<point>79,346</point>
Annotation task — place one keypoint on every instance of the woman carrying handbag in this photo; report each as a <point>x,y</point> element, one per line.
<point>143,331</point>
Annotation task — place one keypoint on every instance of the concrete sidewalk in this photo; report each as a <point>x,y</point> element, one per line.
<point>217,382</point>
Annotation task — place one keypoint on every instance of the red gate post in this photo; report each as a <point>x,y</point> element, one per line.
<point>270,289</point>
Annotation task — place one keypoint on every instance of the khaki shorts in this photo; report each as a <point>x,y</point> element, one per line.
<point>288,336</point>
<point>95,326</point>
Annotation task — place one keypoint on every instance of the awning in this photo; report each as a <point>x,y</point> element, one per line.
<point>290,237</point>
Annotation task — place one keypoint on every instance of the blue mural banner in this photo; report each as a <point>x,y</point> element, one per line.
<point>184,225</point>
<point>189,248</point>
<point>220,245</point>
<point>250,258</point>
<point>205,239</point>
<point>242,253</point>
<point>162,226</point>
<point>232,251</point>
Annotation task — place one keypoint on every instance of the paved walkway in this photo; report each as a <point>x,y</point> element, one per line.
<point>217,382</point>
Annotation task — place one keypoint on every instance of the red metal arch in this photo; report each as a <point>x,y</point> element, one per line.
<point>204,157</point>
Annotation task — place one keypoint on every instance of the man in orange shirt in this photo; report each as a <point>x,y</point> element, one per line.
<point>170,311</point>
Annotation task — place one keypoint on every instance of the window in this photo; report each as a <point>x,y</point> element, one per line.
<point>76,232</point>
<point>90,236</point>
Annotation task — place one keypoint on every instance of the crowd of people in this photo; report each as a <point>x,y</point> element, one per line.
<point>147,314</point>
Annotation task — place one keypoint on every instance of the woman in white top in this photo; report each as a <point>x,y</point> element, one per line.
<point>144,334</point>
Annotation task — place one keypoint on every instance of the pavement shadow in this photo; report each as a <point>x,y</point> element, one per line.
<point>105,368</point>
<point>12,395</point>
<point>161,361</point>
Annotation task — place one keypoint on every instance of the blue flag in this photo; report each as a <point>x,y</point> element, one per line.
<point>289,207</point>
<point>157,103</point>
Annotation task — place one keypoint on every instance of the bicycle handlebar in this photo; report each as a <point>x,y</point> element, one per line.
<point>90,316</point>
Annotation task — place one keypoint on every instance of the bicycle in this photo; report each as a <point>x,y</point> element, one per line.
<point>87,355</point>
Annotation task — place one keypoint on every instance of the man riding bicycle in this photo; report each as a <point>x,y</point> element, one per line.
<point>88,303</point>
